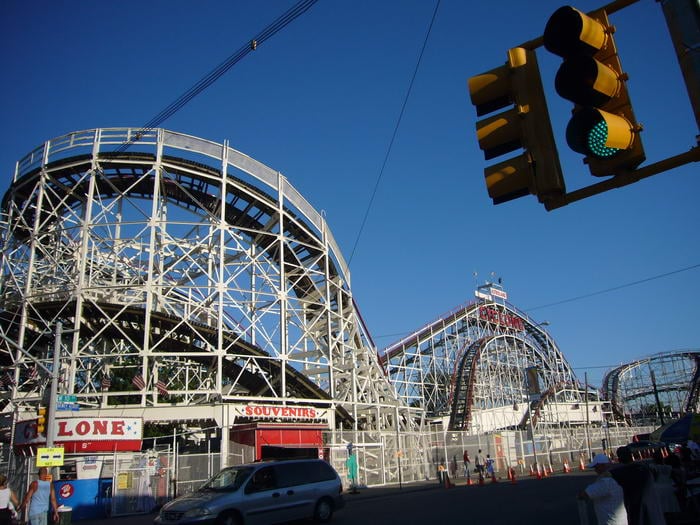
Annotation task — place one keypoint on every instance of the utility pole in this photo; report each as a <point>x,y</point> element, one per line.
<point>53,398</point>
<point>588,419</point>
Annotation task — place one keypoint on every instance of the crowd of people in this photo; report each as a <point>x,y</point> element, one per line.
<point>652,491</point>
<point>483,467</point>
<point>641,492</point>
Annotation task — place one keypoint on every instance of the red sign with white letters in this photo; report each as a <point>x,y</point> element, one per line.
<point>86,434</point>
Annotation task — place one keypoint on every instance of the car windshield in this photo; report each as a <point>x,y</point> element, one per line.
<point>228,479</point>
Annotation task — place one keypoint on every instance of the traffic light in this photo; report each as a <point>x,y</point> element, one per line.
<point>603,126</point>
<point>525,125</point>
<point>41,420</point>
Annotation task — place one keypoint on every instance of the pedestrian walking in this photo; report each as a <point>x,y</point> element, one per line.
<point>606,494</point>
<point>442,473</point>
<point>479,463</point>
<point>490,470</point>
<point>41,498</point>
<point>8,502</point>
<point>467,464</point>
<point>351,464</point>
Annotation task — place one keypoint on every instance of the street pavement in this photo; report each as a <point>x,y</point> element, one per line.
<point>370,493</point>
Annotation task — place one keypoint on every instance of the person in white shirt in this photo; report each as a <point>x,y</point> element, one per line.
<point>8,502</point>
<point>605,493</point>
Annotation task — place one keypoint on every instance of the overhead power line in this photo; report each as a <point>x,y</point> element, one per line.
<point>393,136</point>
<point>614,288</point>
<point>294,12</point>
<point>585,296</point>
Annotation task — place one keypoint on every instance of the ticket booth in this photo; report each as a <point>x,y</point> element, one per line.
<point>280,441</point>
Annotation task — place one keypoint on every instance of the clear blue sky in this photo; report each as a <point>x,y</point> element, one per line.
<point>319,102</point>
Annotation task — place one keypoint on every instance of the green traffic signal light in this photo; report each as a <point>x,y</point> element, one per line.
<point>603,126</point>
<point>599,134</point>
<point>597,139</point>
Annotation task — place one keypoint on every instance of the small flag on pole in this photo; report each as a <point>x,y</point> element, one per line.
<point>138,382</point>
<point>106,383</point>
<point>162,389</point>
<point>33,372</point>
<point>7,380</point>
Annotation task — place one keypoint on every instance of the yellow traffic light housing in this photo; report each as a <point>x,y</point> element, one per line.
<point>603,126</point>
<point>526,125</point>
<point>41,420</point>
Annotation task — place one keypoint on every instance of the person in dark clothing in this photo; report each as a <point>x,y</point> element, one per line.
<point>637,482</point>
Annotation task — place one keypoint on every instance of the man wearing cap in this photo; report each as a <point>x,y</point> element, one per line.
<point>606,494</point>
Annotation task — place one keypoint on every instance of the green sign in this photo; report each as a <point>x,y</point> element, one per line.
<point>65,398</point>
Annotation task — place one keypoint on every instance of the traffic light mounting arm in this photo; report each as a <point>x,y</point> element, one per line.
<point>625,179</point>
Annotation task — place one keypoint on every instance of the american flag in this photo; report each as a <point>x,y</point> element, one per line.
<point>106,383</point>
<point>34,372</point>
<point>162,389</point>
<point>138,382</point>
<point>7,380</point>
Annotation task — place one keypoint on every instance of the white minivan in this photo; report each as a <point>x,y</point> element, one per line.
<point>260,493</point>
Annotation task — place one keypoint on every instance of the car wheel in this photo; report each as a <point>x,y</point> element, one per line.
<point>229,519</point>
<point>324,511</point>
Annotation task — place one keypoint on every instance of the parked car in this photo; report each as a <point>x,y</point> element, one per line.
<point>260,493</point>
<point>645,446</point>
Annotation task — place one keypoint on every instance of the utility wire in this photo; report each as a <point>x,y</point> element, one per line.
<point>393,137</point>
<point>216,73</point>
<point>614,288</point>
<point>585,296</point>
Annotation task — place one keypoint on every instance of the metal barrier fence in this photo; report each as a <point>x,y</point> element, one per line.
<point>143,480</point>
<point>389,458</point>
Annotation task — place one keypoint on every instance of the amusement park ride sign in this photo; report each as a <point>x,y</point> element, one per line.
<point>507,319</point>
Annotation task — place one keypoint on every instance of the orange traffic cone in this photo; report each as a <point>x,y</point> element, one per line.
<point>493,478</point>
<point>545,472</point>
<point>551,470</point>
<point>567,469</point>
<point>532,471</point>
<point>469,481</point>
<point>581,465</point>
<point>481,479</point>
<point>511,473</point>
<point>539,472</point>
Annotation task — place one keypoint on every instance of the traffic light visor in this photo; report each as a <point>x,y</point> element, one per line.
<point>509,179</point>
<point>571,32</point>
<point>598,133</point>
<point>491,90</point>
<point>499,134</point>
<point>585,81</point>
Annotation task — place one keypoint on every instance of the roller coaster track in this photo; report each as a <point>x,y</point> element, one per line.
<point>473,359</point>
<point>677,382</point>
<point>165,263</point>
